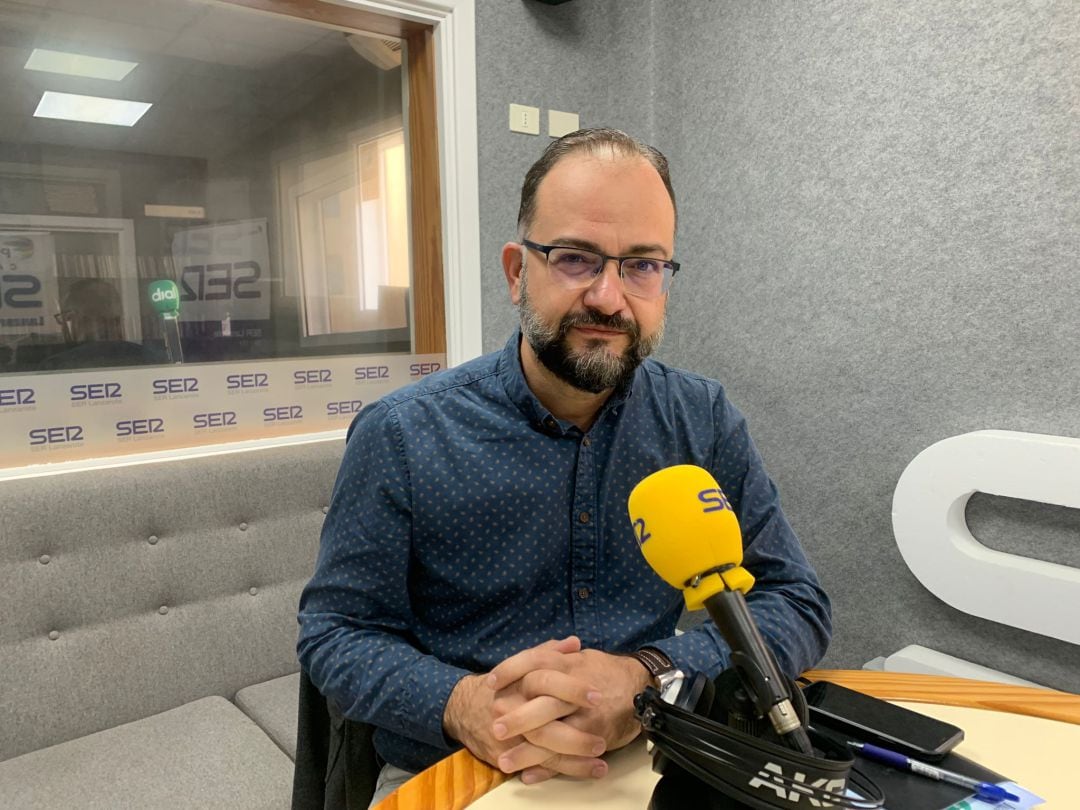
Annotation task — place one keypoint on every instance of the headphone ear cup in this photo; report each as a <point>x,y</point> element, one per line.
<point>697,695</point>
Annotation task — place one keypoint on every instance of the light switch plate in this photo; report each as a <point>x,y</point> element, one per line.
<point>525,119</point>
<point>562,123</point>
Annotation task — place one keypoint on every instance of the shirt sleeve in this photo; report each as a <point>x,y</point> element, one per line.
<point>355,613</point>
<point>788,604</point>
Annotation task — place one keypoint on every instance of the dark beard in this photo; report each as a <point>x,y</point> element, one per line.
<point>594,369</point>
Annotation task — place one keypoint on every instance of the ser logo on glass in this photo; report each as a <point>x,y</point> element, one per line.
<point>214,419</point>
<point>371,373</point>
<point>344,408</point>
<point>17,396</point>
<point>255,379</point>
<point>175,385</point>
<point>140,427</point>
<point>108,390</point>
<point>220,282</point>
<point>18,291</point>
<point>313,376</point>
<point>283,413</point>
<point>417,370</point>
<point>61,434</point>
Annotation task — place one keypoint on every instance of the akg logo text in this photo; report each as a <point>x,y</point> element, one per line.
<point>283,413</point>
<point>216,419</point>
<point>94,391</point>
<point>140,427</point>
<point>371,373</point>
<point>175,385</point>
<point>16,396</point>
<point>313,376</point>
<point>256,379</point>
<point>62,434</point>
<point>423,369</point>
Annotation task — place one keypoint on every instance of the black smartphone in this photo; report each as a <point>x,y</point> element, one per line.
<point>862,718</point>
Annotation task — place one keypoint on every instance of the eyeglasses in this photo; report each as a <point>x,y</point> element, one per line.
<point>575,269</point>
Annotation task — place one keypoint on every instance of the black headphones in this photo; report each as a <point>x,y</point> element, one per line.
<point>710,738</point>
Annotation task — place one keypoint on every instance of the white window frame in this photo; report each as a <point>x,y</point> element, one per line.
<point>123,229</point>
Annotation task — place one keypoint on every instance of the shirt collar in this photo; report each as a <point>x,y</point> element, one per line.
<point>517,389</point>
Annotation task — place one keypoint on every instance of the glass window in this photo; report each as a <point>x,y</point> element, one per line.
<point>205,222</point>
<point>264,172</point>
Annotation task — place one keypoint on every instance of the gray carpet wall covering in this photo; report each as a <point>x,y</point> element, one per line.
<point>879,225</point>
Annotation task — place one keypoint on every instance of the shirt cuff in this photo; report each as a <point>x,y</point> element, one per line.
<point>418,713</point>
<point>695,651</point>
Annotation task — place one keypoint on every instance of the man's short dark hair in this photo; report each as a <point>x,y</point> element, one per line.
<point>600,141</point>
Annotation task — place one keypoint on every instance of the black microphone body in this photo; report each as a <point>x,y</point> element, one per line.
<point>756,667</point>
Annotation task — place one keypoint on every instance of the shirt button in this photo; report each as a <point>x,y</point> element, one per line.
<point>550,424</point>
<point>586,441</point>
<point>583,517</point>
<point>583,593</point>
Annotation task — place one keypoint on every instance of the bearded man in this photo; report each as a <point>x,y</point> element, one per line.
<point>479,582</point>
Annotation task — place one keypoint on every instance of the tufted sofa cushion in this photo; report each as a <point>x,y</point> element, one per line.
<point>132,590</point>
<point>274,705</point>
<point>206,754</point>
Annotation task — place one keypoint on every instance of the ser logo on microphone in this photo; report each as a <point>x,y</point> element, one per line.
<point>640,534</point>
<point>715,500</point>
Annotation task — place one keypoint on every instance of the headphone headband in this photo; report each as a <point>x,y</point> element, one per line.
<point>757,772</point>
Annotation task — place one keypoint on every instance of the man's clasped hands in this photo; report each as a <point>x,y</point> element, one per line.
<point>551,709</point>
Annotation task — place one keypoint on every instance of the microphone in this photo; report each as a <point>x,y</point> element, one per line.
<point>690,536</point>
<point>165,298</point>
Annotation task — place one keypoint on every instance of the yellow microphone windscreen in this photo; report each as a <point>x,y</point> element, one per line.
<point>685,527</point>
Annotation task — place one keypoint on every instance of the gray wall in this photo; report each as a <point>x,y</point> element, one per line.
<point>880,224</point>
<point>589,57</point>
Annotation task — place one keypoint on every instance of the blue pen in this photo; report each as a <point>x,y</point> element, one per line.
<point>987,791</point>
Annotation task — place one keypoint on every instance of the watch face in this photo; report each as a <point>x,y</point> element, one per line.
<point>670,685</point>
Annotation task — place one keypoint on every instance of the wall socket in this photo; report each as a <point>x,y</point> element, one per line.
<point>562,123</point>
<point>525,119</point>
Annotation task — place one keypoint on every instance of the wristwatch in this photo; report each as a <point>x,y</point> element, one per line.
<point>669,678</point>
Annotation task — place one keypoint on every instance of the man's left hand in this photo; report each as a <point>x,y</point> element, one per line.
<point>530,711</point>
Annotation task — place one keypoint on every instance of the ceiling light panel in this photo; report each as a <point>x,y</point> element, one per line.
<point>77,64</point>
<point>90,109</point>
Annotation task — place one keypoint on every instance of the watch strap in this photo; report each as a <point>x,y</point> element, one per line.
<point>654,660</point>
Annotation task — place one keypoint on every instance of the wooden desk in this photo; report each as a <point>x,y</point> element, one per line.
<point>460,779</point>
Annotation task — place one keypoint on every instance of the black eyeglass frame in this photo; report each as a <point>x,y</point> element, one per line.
<point>604,259</point>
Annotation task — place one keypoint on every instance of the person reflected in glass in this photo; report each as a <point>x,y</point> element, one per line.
<point>92,318</point>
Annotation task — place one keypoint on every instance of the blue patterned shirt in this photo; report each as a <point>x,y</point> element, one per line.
<point>468,523</point>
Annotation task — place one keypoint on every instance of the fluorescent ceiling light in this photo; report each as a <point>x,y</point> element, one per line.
<point>91,109</point>
<point>76,64</point>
